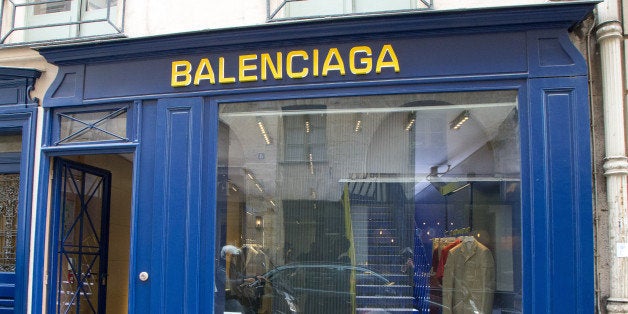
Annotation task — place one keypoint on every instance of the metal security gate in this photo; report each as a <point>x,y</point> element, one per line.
<point>83,195</point>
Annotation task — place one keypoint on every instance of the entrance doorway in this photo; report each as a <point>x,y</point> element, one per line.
<point>91,233</point>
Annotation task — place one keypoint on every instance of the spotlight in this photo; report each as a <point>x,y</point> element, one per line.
<point>456,123</point>
<point>262,129</point>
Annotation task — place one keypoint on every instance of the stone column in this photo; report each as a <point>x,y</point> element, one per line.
<point>609,37</point>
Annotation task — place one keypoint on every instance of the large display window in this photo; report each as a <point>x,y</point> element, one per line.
<point>358,204</point>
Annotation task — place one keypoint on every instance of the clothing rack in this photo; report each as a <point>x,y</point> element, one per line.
<point>458,232</point>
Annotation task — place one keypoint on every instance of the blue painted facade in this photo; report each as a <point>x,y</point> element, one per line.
<point>18,115</point>
<point>173,131</point>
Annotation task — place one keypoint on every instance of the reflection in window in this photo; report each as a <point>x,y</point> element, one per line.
<point>305,135</point>
<point>415,207</point>
<point>100,4</point>
<point>51,7</point>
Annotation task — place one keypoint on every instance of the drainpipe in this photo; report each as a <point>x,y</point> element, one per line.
<point>610,38</point>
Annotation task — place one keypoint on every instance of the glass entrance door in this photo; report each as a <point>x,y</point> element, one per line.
<point>83,195</point>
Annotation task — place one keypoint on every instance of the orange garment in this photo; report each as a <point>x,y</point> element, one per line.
<point>443,259</point>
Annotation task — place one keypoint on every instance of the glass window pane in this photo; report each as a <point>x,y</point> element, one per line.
<point>38,20</point>
<point>335,7</point>
<point>93,126</point>
<point>10,143</point>
<point>51,7</point>
<point>9,193</point>
<point>315,8</point>
<point>10,152</point>
<point>100,4</point>
<point>295,136</point>
<point>401,202</point>
<point>376,5</point>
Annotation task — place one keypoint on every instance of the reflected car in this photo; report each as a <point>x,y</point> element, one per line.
<point>326,288</point>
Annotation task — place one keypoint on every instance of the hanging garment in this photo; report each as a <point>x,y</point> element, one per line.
<point>469,279</point>
<point>440,270</point>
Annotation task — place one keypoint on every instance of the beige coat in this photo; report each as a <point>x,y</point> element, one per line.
<point>469,279</point>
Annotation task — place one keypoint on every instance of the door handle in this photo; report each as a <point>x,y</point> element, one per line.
<point>143,276</point>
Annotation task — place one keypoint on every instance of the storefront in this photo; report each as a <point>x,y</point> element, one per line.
<point>394,163</point>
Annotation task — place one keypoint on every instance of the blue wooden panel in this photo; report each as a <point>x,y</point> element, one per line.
<point>10,96</point>
<point>7,291</point>
<point>176,209</point>
<point>551,53</point>
<point>561,212</point>
<point>419,57</point>
<point>10,162</point>
<point>560,241</point>
<point>143,221</point>
<point>7,286</point>
<point>67,88</point>
<point>15,85</point>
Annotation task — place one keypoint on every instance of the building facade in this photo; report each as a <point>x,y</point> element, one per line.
<point>313,156</point>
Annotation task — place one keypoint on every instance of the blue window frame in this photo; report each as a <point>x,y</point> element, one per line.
<point>99,124</point>
<point>17,126</point>
<point>18,166</point>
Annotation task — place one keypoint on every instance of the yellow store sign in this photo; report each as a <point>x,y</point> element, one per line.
<point>295,64</point>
